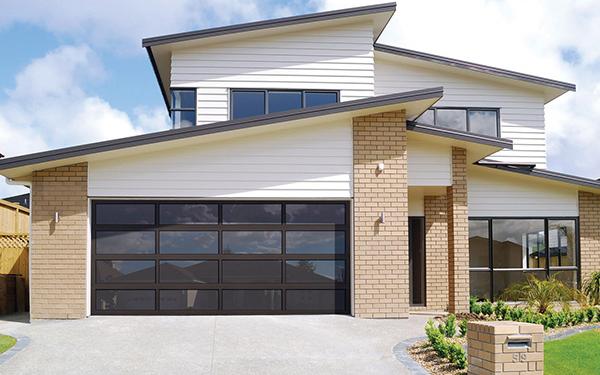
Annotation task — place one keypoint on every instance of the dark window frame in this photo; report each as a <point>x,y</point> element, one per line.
<point>172,109</point>
<point>467,110</point>
<point>266,94</point>
<point>547,269</point>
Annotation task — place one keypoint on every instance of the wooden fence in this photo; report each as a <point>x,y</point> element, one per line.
<point>14,219</point>
<point>14,239</point>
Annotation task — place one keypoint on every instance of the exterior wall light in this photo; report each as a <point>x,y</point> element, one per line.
<point>380,167</point>
<point>382,217</point>
<point>56,217</point>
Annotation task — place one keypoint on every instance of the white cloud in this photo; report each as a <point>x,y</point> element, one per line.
<point>526,36</point>
<point>49,107</point>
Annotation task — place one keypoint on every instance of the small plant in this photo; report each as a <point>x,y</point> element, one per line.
<point>591,288</point>
<point>450,326</point>
<point>462,328</point>
<point>472,303</point>
<point>516,314</point>
<point>502,310</point>
<point>540,294</point>
<point>457,355</point>
<point>476,308</point>
<point>589,314</point>
<point>487,308</point>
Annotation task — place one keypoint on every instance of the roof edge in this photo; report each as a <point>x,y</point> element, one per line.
<point>276,22</point>
<point>475,67</point>
<point>218,127</point>
<point>459,135</point>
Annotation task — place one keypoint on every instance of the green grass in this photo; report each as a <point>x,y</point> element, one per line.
<point>577,354</point>
<point>6,342</point>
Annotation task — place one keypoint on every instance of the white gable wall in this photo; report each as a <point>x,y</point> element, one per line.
<point>521,111</point>
<point>336,58</point>
<point>429,164</point>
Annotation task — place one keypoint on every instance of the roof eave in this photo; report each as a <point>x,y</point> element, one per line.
<point>459,135</point>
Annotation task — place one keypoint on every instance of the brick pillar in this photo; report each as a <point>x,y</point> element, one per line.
<point>458,234</point>
<point>589,233</point>
<point>436,252</point>
<point>58,251</point>
<point>380,249</point>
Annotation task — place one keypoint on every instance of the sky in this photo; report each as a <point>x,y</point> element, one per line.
<point>74,72</point>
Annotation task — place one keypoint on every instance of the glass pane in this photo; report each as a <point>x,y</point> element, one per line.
<point>561,242</point>
<point>189,242</point>
<point>189,271</point>
<point>315,271</point>
<point>315,242</point>
<point>252,271</point>
<point>567,277</point>
<point>322,301</point>
<point>314,98</point>
<point>262,299</point>
<point>183,119</point>
<point>124,213</point>
<point>190,213</point>
<point>252,242</point>
<point>479,239</point>
<point>189,299</point>
<point>427,117</point>
<point>113,242</point>
<point>247,104</point>
<point>503,279</point>
<point>324,213</point>
<point>280,101</point>
<point>252,213</point>
<point>480,284</point>
<point>452,119</point>
<point>109,300</point>
<point>125,271</point>
<point>483,122</point>
<point>515,240</point>
<point>183,99</point>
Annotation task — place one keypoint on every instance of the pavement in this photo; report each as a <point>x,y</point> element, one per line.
<point>307,344</point>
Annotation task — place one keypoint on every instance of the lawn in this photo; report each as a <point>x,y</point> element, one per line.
<point>6,342</point>
<point>574,355</point>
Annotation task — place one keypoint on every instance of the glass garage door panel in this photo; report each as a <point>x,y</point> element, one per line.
<point>211,257</point>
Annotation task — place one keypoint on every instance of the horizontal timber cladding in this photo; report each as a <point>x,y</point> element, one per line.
<point>220,257</point>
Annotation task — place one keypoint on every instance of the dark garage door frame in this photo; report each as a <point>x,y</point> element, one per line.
<point>156,286</point>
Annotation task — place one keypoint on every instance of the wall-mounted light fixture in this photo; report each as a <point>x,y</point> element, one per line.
<point>382,217</point>
<point>380,167</point>
<point>56,217</point>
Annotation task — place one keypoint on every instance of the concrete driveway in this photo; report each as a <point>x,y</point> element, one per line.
<point>211,345</point>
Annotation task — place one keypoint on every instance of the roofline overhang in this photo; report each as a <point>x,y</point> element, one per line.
<point>267,24</point>
<point>480,68</point>
<point>219,127</point>
<point>459,135</point>
<point>163,90</point>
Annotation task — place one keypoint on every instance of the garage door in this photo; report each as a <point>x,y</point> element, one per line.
<point>171,257</point>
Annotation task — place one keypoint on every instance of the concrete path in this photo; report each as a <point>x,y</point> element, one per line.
<point>211,345</point>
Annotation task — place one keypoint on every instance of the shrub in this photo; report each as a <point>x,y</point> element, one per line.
<point>462,328</point>
<point>591,288</point>
<point>487,308</point>
<point>540,294</point>
<point>589,314</point>
<point>457,355</point>
<point>472,302</point>
<point>516,314</point>
<point>502,310</point>
<point>450,326</point>
<point>476,308</point>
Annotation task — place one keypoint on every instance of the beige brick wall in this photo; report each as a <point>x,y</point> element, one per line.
<point>59,250</point>
<point>436,252</point>
<point>458,234</point>
<point>380,250</point>
<point>589,233</point>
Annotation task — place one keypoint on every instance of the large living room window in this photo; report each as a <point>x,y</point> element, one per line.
<point>183,108</point>
<point>248,103</point>
<point>505,251</point>
<point>484,121</point>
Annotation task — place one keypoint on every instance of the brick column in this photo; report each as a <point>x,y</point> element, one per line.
<point>380,249</point>
<point>436,252</point>
<point>458,234</point>
<point>58,251</point>
<point>589,233</point>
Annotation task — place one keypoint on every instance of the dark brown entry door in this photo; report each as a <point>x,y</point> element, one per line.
<point>172,257</point>
<point>416,260</point>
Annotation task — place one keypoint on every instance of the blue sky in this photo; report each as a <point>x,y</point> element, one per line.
<point>75,72</point>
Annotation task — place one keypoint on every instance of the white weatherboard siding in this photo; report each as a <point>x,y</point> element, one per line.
<point>521,111</point>
<point>495,193</point>
<point>429,164</point>
<point>300,162</point>
<point>337,58</point>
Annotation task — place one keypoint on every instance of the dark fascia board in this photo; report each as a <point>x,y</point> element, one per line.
<point>459,135</point>
<point>544,173</point>
<point>219,127</point>
<point>163,90</point>
<point>277,22</point>
<point>474,67</point>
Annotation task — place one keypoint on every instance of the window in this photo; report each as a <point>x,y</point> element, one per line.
<point>506,251</point>
<point>183,107</point>
<point>248,103</point>
<point>474,120</point>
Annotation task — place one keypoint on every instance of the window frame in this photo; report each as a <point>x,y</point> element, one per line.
<point>468,124</point>
<point>266,94</point>
<point>547,269</point>
<point>171,109</point>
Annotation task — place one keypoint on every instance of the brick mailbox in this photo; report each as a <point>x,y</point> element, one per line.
<point>505,348</point>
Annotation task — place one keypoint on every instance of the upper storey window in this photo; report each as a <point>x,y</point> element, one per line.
<point>183,107</point>
<point>472,120</point>
<point>248,103</point>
